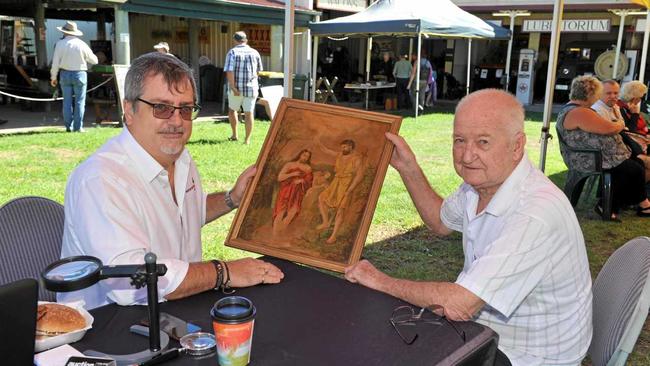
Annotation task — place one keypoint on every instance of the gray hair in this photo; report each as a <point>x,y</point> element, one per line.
<point>585,87</point>
<point>633,89</point>
<point>610,82</point>
<point>174,71</point>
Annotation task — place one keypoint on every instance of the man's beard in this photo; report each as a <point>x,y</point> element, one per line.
<point>172,150</point>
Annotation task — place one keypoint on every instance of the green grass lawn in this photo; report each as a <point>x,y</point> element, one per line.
<point>39,163</point>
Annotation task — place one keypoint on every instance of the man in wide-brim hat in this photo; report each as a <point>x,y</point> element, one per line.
<point>70,28</point>
<point>70,62</point>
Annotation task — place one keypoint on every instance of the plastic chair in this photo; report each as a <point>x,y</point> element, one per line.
<point>621,302</point>
<point>576,179</point>
<point>31,232</point>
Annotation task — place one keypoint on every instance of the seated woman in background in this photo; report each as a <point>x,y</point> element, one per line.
<point>630,105</point>
<point>635,137</point>
<point>581,127</point>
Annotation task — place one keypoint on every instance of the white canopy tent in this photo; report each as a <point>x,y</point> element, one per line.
<point>407,18</point>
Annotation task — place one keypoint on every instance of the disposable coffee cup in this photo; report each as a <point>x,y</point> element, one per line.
<point>233,318</point>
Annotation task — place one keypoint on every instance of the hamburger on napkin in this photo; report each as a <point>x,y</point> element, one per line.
<point>53,319</point>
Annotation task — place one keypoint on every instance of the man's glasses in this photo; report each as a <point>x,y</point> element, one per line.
<point>165,111</point>
<point>405,318</point>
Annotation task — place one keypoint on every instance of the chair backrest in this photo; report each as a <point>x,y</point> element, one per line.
<point>621,302</point>
<point>31,232</point>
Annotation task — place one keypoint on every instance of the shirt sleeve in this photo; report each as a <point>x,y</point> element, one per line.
<point>108,224</point>
<point>56,61</point>
<point>451,212</point>
<point>259,63</point>
<point>512,266</point>
<point>228,65</point>
<point>89,56</point>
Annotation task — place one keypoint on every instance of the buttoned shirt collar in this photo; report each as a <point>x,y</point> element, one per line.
<point>500,202</point>
<point>149,168</point>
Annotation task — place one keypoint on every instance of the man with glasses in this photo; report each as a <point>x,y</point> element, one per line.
<point>141,192</point>
<point>526,273</point>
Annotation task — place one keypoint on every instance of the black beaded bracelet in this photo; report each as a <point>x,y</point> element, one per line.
<point>218,266</point>
<point>225,287</point>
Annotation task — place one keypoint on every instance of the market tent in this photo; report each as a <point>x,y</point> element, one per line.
<point>409,18</point>
<point>440,18</point>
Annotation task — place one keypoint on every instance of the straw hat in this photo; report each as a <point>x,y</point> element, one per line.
<point>162,45</point>
<point>70,28</point>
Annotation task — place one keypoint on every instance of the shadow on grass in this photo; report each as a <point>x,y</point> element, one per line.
<point>211,142</point>
<point>418,254</point>
<point>34,133</point>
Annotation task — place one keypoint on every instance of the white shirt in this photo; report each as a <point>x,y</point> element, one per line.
<point>119,206</point>
<point>605,111</point>
<point>525,257</point>
<point>72,54</point>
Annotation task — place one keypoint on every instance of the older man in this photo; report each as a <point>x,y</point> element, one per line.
<point>526,273</point>
<point>606,106</point>
<point>141,192</point>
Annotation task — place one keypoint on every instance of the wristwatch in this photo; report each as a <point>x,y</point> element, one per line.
<point>229,202</point>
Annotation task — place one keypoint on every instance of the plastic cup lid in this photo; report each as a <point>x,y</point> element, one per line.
<point>198,344</point>
<point>233,309</point>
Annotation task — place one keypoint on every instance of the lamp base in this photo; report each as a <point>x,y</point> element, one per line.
<point>138,357</point>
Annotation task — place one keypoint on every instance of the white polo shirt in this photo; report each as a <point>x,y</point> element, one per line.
<point>119,206</point>
<point>525,257</point>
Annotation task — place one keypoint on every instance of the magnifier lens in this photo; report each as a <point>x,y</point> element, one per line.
<point>72,271</point>
<point>199,344</point>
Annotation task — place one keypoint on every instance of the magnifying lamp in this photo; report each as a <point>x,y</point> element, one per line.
<point>79,272</point>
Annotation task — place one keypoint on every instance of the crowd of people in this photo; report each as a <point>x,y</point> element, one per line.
<point>403,72</point>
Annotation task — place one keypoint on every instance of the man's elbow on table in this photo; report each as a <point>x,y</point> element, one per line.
<point>460,304</point>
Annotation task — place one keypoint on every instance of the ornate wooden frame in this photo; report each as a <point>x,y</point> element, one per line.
<point>265,222</point>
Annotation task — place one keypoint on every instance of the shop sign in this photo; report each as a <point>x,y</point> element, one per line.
<point>342,5</point>
<point>568,25</point>
<point>259,37</point>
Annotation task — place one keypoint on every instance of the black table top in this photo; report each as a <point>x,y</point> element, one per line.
<point>310,318</point>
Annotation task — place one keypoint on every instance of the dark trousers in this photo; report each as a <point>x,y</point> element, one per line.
<point>628,183</point>
<point>402,93</point>
<point>501,359</point>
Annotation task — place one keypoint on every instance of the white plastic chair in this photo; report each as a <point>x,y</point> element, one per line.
<point>621,302</point>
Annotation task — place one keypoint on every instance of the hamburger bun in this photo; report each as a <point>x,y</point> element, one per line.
<point>57,319</point>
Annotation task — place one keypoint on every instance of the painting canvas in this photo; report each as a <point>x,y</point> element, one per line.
<point>319,176</point>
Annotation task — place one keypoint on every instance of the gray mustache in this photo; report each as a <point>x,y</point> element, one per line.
<point>173,130</point>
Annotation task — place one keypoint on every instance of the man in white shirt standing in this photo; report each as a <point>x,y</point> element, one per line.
<point>71,59</point>
<point>526,273</point>
<point>141,192</point>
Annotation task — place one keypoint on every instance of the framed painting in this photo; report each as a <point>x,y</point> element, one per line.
<point>318,179</point>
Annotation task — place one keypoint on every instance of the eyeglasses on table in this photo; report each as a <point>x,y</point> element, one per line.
<point>406,316</point>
